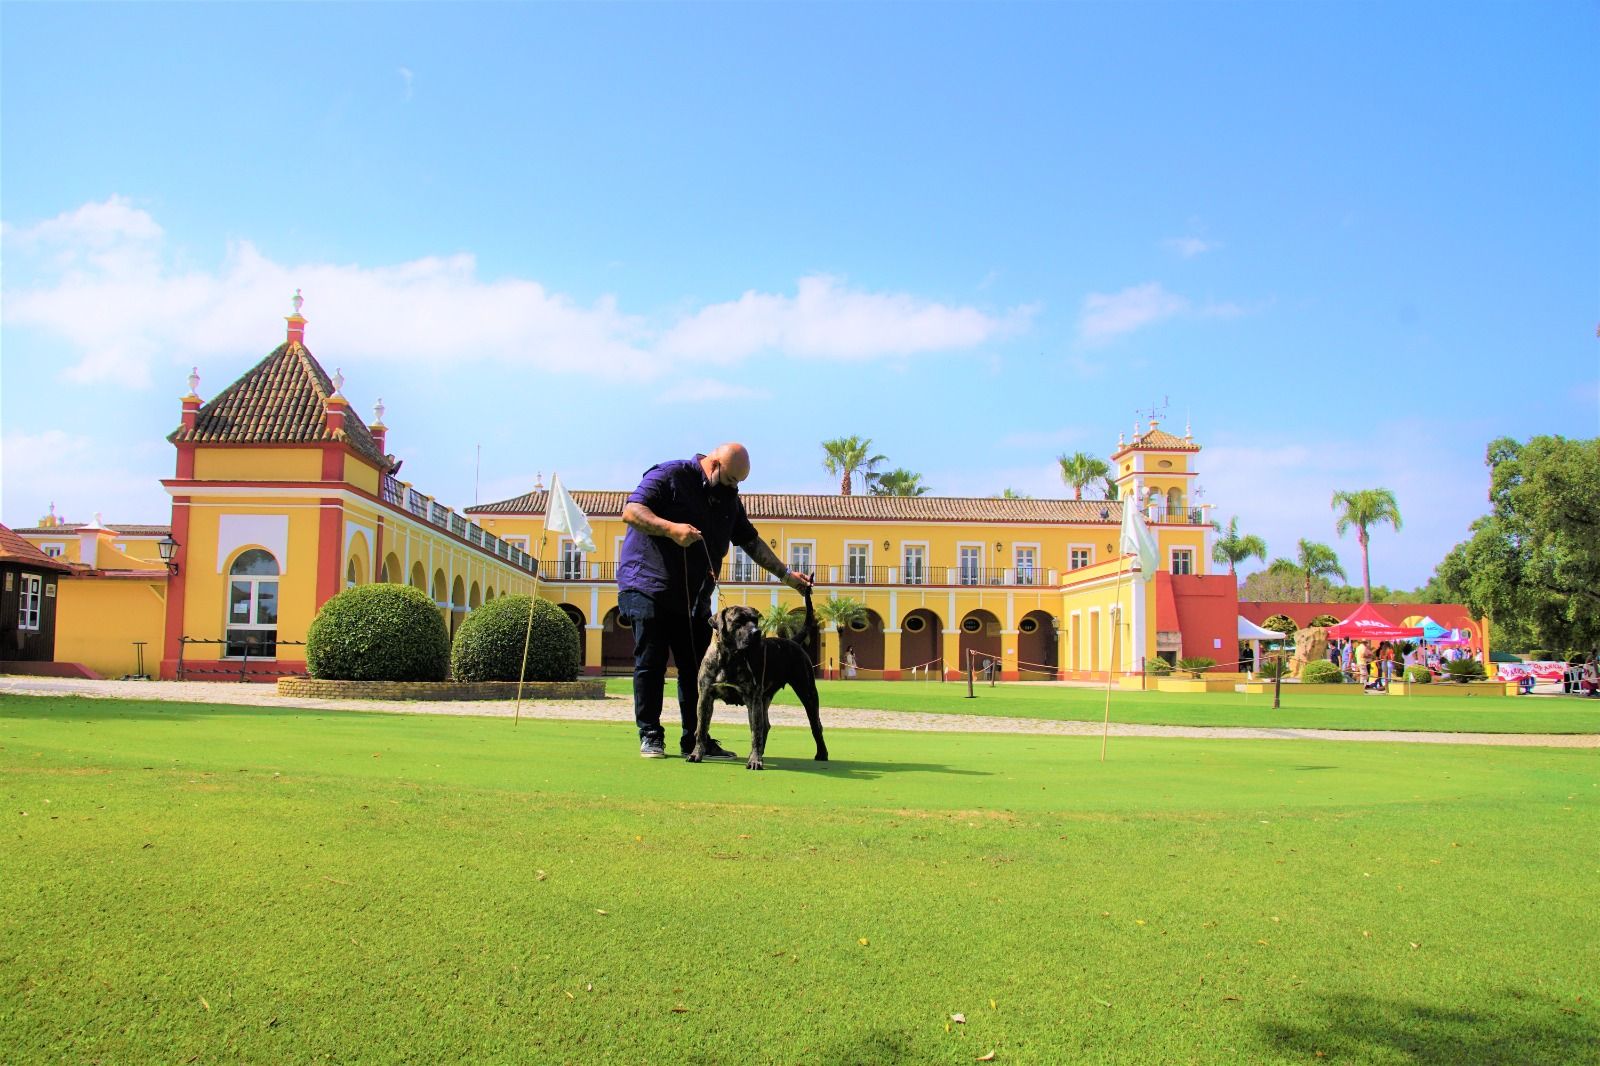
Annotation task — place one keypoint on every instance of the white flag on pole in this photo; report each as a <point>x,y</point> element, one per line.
<point>1137,540</point>
<point>563,515</point>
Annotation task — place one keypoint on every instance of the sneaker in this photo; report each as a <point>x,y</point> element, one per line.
<point>714,751</point>
<point>652,748</point>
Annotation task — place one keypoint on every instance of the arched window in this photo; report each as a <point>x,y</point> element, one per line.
<point>351,579</point>
<point>1175,502</point>
<point>253,606</point>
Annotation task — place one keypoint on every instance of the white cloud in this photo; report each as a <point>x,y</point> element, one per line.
<point>710,390</point>
<point>825,320</point>
<point>406,76</point>
<point>100,278</point>
<point>1189,247</point>
<point>81,476</point>
<point>1108,315</point>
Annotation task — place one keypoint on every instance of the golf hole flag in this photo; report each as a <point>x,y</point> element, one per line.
<point>1136,539</point>
<point>563,515</point>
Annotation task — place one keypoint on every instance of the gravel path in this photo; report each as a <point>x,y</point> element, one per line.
<point>620,709</point>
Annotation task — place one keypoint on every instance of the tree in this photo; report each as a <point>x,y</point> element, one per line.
<point>779,621</point>
<point>1279,582</point>
<point>897,482</point>
<point>1317,561</point>
<point>1011,494</point>
<point>1080,468</point>
<point>1533,563</point>
<point>846,457</point>
<point>838,611</point>
<point>1363,509</point>
<point>1231,548</point>
<point>1109,488</point>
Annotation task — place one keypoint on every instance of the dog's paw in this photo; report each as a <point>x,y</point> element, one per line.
<point>754,763</point>
<point>694,756</point>
<point>822,755</point>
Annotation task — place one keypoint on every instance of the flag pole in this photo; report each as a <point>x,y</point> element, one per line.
<point>1116,634</point>
<point>527,637</point>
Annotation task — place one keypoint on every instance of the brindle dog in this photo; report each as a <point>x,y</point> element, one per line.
<point>742,667</point>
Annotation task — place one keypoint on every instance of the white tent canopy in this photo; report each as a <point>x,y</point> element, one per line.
<point>1248,630</point>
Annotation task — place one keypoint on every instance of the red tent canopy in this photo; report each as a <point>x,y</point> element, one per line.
<point>1365,623</point>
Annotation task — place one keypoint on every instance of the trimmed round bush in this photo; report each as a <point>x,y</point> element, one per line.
<point>378,633</point>
<point>489,643</point>
<point>1321,672</point>
<point>1419,675</point>
<point>1282,623</point>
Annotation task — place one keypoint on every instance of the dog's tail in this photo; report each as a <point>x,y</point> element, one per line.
<point>813,642</point>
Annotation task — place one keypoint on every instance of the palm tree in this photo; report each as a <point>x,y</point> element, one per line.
<point>1080,468</point>
<point>848,456</point>
<point>1012,494</point>
<point>1317,561</point>
<point>838,611</point>
<point>1110,488</point>
<point>897,482</point>
<point>1365,508</point>
<point>779,621</point>
<point>1233,549</point>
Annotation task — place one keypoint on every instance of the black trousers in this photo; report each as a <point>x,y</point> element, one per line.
<point>658,628</point>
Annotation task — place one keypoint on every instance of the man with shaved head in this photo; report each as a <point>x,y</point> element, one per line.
<point>681,519</point>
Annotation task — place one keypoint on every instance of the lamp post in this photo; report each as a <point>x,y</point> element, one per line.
<point>169,552</point>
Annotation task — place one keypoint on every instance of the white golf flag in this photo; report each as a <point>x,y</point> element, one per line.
<point>1136,539</point>
<point>563,515</point>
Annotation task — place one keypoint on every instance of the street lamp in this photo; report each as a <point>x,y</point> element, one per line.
<point>169,551</point>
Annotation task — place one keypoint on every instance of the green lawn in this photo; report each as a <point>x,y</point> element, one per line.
<point>1460,714</point>
<point>188,882</point>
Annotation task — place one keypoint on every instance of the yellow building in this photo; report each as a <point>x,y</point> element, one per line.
<point>1030,583</point>
<point>282,496</point>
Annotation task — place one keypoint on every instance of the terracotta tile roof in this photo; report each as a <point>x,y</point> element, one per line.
<point>1156,439</point>
<point>280,400</point>
<point>71,529</point>
<point>781,505</point>
<point>13,549</point>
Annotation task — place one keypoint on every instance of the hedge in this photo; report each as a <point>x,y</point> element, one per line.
<point>378,633</point>
<point>489,643</point>
<point>1321,672</point>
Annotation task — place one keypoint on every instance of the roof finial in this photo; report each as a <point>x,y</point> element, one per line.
<point>377,413</point>
<point>1135,429</point>
<point>194,381</point>
<point>338,383</point>
<point>1188,428</point>
<point>297,301</point>
<point>538,482</point>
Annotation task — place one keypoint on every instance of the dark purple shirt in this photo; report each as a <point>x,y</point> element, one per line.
<point>678,491</point>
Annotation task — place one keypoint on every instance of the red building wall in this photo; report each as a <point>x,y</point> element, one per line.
<point>1208,616</point>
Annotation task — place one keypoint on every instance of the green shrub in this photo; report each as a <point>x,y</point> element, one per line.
<point>1282,623</point>
<point>1464,670</point>
<point>1196,665</point>
<point>1157,667</point>
<point>1419,675</point>
<point>378,633</point>
<point>1273,667</point>
<point>1324,620</point>
<point>489,643</point>
<point>1321,672</point>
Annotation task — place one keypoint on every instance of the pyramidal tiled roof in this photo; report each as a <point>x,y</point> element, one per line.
<point>13,549</point>
<point>280,400</point>
<point>1156,439</point>
<point>779,505</point>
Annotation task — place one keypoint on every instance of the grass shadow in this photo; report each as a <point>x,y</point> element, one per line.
<point>861,770</point>
<point>1515,1027</point>
<point>89,709</point>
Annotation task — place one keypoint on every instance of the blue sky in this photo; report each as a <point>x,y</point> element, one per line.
<point>1350,243</point>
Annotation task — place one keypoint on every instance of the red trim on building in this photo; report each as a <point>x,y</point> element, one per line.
<point>171,648</point>
<point>330,550</point>
<point>185,461</point>
<point>1208,612</point>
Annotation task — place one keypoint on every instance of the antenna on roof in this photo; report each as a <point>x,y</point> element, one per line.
<point>1154,412</point>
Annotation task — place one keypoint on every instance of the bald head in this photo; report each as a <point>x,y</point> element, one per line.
<point>727,464</point>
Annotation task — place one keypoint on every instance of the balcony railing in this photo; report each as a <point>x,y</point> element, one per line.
<point>396,493</point>
<point>581,569</point>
